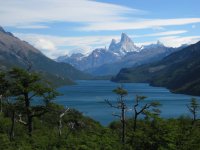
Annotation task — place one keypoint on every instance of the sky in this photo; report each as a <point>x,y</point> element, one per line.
<point>60,27</point>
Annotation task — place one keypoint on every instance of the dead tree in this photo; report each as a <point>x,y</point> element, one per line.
<point>121,105</point>
<point>21,121</point>
<point>142,109</point>
<point>60,120</point>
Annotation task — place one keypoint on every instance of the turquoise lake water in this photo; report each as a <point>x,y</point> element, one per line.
<point>88,96</point>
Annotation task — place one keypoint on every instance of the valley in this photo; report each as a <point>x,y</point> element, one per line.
<point>99,75</point>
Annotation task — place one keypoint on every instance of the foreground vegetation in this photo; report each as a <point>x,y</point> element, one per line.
<point>48,126</point>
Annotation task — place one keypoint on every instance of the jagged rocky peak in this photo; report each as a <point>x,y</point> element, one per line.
<point>113,41</point>
<point>76,55</point>
<point>124,46</point>
<point>113,45</point>
<point>125,38</point>
<point>159,43</point>
<point>127,45</point>
<point>62,58</point>
<point>99,50</point>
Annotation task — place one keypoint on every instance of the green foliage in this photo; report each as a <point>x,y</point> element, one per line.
<point>194,108</point>
<point>83,133</point>
<point>120,91</point>
<point>86,133</point>
<point>153,134</point>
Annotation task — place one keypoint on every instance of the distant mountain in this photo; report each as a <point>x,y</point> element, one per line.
<point>152,46</point>
<point>147,54</point>
<point>180,71</point>
<point>120,54</point>
<point>14,52</point>
<point>101,56</point>
<point>95,59</point>
<point>123,47</point>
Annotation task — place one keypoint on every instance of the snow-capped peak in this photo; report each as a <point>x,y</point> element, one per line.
<point>154,45</point>
<point>125,38</point>
<point>160,43</point>
<point>124,46</point>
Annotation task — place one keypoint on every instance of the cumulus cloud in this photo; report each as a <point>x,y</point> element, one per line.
<point>45,44</point>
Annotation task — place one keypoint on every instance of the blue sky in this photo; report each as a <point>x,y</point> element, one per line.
<point>59,27</point>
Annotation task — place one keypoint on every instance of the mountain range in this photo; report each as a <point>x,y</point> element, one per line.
<point>15,52</point>
<point>180,71</point>
<point>175,68</point>
<point>124,53</point>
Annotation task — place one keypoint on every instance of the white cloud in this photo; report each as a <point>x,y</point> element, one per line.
<point>45,44</point>
<point>93,15</point>
<point>144,43</point>
<point>68,41</point>
<point>32,27</point>
<point>143,24</point>
<point>18,13</point>
<point>174,32</point>
<point>176,41</point>
<point>51,45</point>
<point>158,28</point>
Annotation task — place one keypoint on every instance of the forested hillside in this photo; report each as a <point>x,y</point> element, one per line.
<point>48,126</point>
<point>180,71</point>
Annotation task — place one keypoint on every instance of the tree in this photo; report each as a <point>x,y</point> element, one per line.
<point>194,108</point>
<point>4,89</point>
<point>4,94</point>
<point>28,86</point>
<point>120,105</point>
<point>144,109</point>
<point>60,120</point>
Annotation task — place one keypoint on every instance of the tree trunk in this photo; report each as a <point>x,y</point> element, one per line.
<point>30,125</point>
<point>1,103</point>
<point>135,122</point>
<point>29,115</point>
<point>123,125</point>
<point>60,127</point>
<point>194,114</point>
<point>12,125</point>
<point>194,117</point>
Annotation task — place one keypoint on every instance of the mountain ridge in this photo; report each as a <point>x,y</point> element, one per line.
<point>179,71</point>
<point>124,53</point>
<point>14,52</point>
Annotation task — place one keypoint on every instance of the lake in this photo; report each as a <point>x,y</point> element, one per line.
<point>88,96</point>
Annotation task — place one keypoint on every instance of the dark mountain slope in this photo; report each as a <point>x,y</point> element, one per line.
<point>14,52</point>
<point>179,71</point>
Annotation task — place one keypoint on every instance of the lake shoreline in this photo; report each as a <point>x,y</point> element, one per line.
<point>88,97</point>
